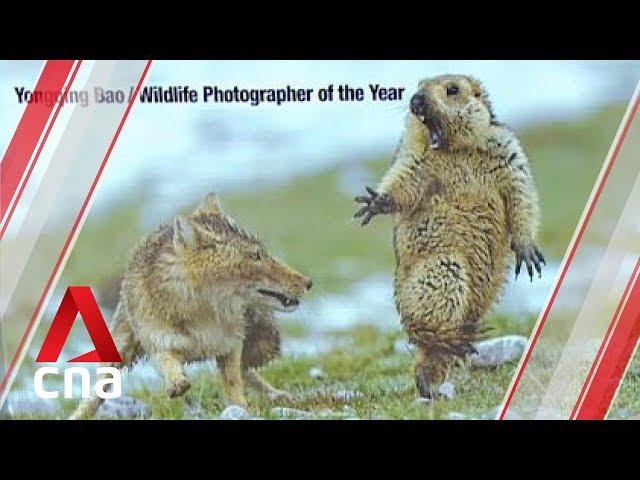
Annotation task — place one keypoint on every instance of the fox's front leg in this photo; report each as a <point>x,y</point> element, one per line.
<point>230,366</point>
<point>170,366</point>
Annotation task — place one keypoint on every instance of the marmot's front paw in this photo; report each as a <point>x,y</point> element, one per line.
<point>532,257</point>
<point>374,204</point>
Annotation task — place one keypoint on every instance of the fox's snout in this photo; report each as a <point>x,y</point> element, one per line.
<point>301,282</point>
<point>292,280</point>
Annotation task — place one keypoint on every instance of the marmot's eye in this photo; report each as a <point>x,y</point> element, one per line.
<point>256,256</point>
<point>452,90</point>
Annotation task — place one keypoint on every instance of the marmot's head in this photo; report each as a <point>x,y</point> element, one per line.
<point>219,255</point>
<point>455,110</point>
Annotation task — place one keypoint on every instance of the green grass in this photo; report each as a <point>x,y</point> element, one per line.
<point>367,363</point>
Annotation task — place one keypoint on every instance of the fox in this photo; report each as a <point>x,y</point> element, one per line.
<point>203,288</point>
<point>463,199</point>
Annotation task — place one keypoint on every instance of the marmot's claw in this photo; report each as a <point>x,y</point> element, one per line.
<point>367,217</point>
<point>532,258</point>
<point>374,205</point>
<point>361,211</point>
<point>372,192</point>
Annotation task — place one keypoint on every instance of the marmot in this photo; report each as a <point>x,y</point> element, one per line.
<point>203,288</point>
<point>462,196</point>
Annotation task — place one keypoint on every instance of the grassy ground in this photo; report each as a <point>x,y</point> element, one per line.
<point>307,222</point>
<point>365,377</point>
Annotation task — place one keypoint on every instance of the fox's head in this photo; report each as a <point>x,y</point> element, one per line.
<point>220,256</point>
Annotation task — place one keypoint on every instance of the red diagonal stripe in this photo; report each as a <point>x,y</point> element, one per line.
<point>29,130</point>
<point>613,357</point>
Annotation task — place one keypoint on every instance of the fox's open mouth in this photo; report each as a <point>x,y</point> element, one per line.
<point>286,302</point>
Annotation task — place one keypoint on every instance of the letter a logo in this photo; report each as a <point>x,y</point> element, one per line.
<point>79,300</point>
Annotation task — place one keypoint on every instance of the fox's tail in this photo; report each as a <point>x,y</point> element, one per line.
<point>129,350</point>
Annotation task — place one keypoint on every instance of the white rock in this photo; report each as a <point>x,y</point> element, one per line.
<point>317,373</point>
<point>122,408</point>
<point>347,413</point>
<point>496,351</point>
<point>291,413</point>
<point>235,412</point>
<point>447,390</point>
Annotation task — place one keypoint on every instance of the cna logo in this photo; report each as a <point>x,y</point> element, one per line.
<point>79,300</point>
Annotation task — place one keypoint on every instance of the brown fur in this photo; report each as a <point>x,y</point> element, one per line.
<point>191,291</point>
<point>458,209</point>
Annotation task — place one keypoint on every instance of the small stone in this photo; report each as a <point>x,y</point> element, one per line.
<point>124,407</point>
<point>328,414</point>
<point>317,373</point>
<point>235,412</point>
<point>496,351</point>
<point>291,413</point>
<point>447,390</point>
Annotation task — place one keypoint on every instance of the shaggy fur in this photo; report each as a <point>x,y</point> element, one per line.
<point>462,196</point>
<point>198,289</point>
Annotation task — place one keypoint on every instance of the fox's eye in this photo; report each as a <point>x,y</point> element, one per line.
<point>452,90</point>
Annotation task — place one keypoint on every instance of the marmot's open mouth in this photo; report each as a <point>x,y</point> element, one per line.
<point>284,300</point>
<point>435,131</point>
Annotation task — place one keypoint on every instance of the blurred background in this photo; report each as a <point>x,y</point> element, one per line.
<point>289,173</point>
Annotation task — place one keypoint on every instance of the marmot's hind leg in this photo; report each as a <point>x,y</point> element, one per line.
<point>434,307</point>
<point>261,345</point>
<point>129,350</point>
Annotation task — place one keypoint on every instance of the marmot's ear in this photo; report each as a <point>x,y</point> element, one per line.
<point>183,233</point>
<point>210,204</point>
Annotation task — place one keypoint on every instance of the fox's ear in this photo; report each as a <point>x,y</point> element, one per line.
<point>210,204</point>
<point>183,233</point>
